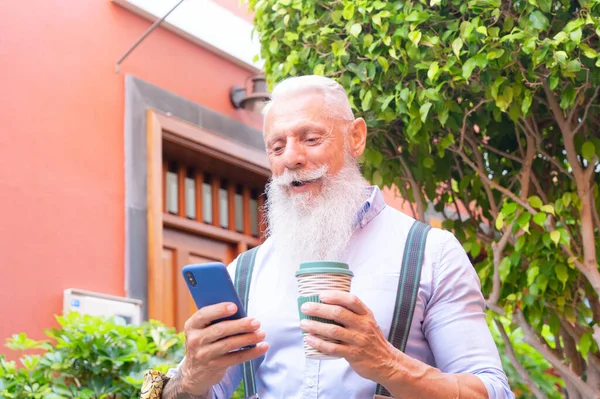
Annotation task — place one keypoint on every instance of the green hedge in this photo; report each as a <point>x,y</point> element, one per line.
<point>89,358</point>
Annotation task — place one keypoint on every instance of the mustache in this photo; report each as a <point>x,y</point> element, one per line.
<point>288,176</point>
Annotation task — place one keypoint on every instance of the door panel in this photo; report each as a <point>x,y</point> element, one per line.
<point>187,249</point>
<point>165,289</point>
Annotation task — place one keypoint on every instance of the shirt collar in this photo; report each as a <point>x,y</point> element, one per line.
<point>371,208</point>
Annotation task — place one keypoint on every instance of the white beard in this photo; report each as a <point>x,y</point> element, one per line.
<point>304,227</point>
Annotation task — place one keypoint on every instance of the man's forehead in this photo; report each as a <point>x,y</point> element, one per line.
<point>294,111</point>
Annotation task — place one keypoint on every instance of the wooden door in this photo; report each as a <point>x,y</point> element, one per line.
<point>205,199</point>
<point>180,249</point>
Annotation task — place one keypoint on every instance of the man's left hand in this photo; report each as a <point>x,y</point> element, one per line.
<point>362,342</point>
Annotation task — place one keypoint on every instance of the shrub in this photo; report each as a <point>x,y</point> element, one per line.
<point>90,358</point>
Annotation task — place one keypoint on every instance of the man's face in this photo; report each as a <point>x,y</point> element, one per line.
<point>301,137</point>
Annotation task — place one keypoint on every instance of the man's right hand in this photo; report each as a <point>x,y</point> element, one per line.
<point>209,347</point>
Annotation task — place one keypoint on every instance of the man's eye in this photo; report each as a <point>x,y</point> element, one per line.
<point>312,140</point>
<point>277,149</point>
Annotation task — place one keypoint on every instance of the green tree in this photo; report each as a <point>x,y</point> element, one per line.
<point>490,108</point>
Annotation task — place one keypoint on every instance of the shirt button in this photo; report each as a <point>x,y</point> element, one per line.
<point>309,382</point>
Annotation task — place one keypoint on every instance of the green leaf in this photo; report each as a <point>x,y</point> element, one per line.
<point>503,101</point>
<point>428,162</point>
<point>339,48</point>
<point>532,273</point>
<point>509,208</point>
<point>367,101</point>
<point>553,81</point>
<point>468,67</point>
<point>274,46</point>
<point>545,5</point>
<point>555,236</point>
<point>540,218</point>
<point>573,66</point>
<point>457,45</point>
<point>567,97</point>
<point>291,36</point>
<point>535,201</point>
<point>387,102</point>
<point>520,243</point>
<point>560,37</point>
<point>494,54</point>
<point>496,86</point>
<point>377,159</point>
<point>434,3</point>
<point>574,24</point>
<point>383,62</point>
<point>500,221</point>
<point>336,16</point>
<point>413,128</point>
<point>529,45</point>
<point>443,117</point>
<point>565,237</point>
<point>424,110</point>
<point>523,220</point>
<point>504,268</point>
<point>542,282</point>
<point>367,40</point>
<point>415,37</point>
<point>355,30</point>
<point>526,104</point>
<point>454,186</point>
<point>588,151</point>
<point>379,4</point>
<point>433,70</point>
<point>319,69</point>
<point>508,24</point>
<point>575,36</point>
<point>561,273</point>
<point>566,199</point>
<point>377,179</point>
<point>588,51</point>
<point>538,20</point>
<point>348,12</point>
<point>561,57</point>
<point>585,343</point>
<point>417,17</point>
<point>547,209</point>
<point>475,249</point>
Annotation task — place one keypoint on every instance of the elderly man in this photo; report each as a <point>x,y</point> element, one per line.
<point>319,207</point>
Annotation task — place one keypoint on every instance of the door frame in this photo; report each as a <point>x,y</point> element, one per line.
<point>140,96</point>
<point>160,128</point>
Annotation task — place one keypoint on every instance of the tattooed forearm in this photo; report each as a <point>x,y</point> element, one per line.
<point>174,390</point>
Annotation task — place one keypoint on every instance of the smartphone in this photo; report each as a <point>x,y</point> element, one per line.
<point>209,284</point>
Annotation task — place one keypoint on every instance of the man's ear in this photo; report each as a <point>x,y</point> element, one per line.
<point>357,136</point>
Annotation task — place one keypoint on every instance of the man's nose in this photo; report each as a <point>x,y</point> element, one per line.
<point>294,156</point>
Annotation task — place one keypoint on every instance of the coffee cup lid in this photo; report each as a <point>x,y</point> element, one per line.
<point>324,266</point>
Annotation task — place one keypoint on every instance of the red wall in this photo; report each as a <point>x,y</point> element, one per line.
<point>61,144</point>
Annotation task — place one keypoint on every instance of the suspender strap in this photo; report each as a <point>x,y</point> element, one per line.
<point>408,287</point>
<point>243,277</point>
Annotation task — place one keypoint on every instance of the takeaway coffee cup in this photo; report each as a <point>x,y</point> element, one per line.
<point>314,278</point>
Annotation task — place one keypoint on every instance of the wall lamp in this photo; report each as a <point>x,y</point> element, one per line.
<point>251,98</point>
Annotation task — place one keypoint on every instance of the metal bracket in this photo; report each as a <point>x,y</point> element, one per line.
<point>141,39</point>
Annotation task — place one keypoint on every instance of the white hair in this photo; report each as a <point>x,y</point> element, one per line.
<point>336,98</point>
